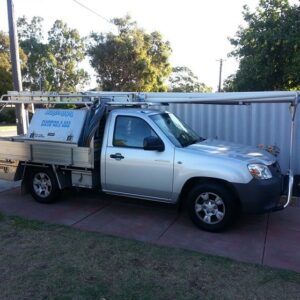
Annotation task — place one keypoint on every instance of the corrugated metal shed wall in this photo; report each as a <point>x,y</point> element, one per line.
<point>251,125</point>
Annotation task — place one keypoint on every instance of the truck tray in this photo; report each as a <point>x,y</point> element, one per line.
<point>56,153</point>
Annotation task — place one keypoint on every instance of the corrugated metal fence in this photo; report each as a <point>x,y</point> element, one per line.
<point>254,124</point>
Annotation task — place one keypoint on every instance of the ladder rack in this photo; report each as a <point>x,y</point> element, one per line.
<point>85,98</point>
<point>148,99</point>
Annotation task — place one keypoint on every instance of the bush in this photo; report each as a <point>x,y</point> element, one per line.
<point>8,116</point>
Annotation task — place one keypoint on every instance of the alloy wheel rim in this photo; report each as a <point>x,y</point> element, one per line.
<point>42,185</point>
<point>210,208</point>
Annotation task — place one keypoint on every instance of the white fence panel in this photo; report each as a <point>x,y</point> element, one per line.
<point>254,124</point>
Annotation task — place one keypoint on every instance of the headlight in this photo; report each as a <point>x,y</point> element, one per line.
<point>259,171</point>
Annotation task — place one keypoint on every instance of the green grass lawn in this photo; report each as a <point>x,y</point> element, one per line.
<point>8,128</point>
<point>40,261</point>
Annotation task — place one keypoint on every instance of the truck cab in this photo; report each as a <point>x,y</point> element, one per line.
<point>153,155</point>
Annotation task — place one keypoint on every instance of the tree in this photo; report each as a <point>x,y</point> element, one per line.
<point>31,40</point>
<point>267,48</point>
<point>53,65</point>
<point>66,50</point>
<point>5,65</point>
<point>182,79</point>
<point>130,60</point>
<point>6,83</point>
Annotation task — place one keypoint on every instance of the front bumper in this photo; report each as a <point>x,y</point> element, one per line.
<point>260,196</point>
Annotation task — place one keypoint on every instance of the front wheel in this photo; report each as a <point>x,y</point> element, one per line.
<point>43,186</point>
<point>211,206</point>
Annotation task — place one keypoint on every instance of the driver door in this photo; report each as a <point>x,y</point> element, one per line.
<point>133,171</point>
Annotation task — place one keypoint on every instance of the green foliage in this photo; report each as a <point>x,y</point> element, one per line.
<point>182,79</point>
<point>6,83</point>
<point>31,40</point>
<point>67,50</point>
<point>54,65</point>
<point>32,30</point>
<point>4,52</point>
<point>130,60</point>
<point>8,116</point>
<point>268,48</point>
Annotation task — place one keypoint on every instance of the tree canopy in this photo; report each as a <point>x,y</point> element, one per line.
<point>52,65</point>
<point>131,60</point>
<point>6,83</point>
<point>182,79</point>
<point>268,48</point>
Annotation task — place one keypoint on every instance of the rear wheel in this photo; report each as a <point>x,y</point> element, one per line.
<point>43,186</point>
<point>211,206</point>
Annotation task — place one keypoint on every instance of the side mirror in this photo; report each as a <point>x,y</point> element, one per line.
<point>153,143</point>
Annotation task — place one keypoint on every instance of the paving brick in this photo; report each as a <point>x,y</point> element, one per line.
<point>133,221</point>
<point>273,240</point>
<point>283,248</point>
<point>288,218</point>
<point>68,211</point>
<point>244,241</point>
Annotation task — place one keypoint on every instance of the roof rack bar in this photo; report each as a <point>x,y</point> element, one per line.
<point>69,98</point>
<point>135,98</point>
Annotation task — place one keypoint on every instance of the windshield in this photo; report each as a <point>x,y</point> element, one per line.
<point>178,132</point>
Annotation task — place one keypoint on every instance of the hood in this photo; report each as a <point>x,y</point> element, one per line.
<point>249,154</point>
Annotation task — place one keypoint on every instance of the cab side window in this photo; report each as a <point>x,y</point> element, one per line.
<point>131,131</point>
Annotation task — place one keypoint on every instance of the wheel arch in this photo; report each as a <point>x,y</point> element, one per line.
<point>63,179</point>
<point>190,183</point>
<point>28,169</point>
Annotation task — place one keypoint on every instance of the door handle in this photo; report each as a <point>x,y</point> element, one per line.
<point>117,156</point>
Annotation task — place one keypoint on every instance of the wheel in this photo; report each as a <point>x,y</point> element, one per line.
<point>43,186</point>
<point>211,206</point>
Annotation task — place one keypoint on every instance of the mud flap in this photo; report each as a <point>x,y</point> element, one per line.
<point>24,188</point>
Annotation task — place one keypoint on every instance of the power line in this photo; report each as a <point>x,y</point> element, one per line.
<point>94,12</point>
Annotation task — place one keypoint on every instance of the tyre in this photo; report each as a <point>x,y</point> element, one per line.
<point>43,186</point>
<point>211,206</point>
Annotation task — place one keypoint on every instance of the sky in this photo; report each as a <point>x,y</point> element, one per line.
<point>198,30</point>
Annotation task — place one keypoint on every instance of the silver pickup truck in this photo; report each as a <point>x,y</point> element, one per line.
<point>147,154</point>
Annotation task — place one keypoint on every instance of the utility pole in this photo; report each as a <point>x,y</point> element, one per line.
<point>16,69</point>
<point>221,60</point>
